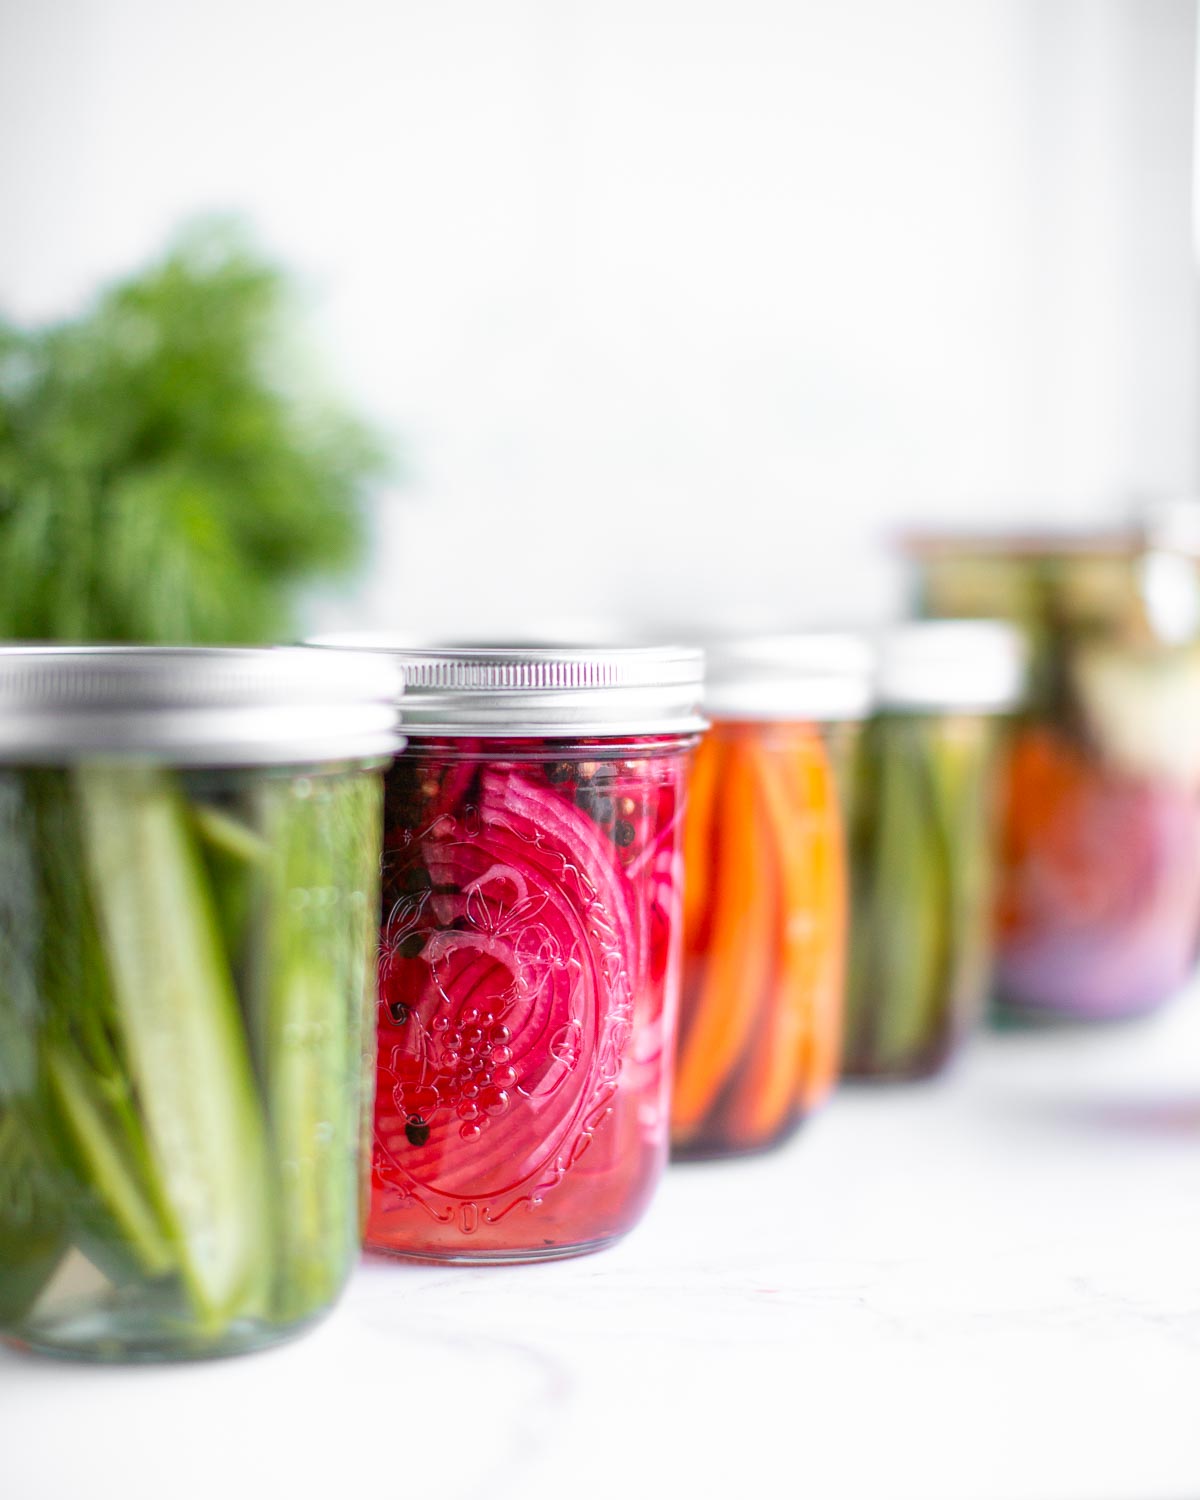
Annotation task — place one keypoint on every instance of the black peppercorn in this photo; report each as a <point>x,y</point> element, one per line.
<point>559,770</point>
<point>414,879</point>
<point>416,1130</point>
<point>624,833</point>
<point>398,1012</point>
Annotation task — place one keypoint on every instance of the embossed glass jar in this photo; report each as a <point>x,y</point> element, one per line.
<point>529,953</point>
<point>765,891</point>
<point>922,844</point>
<point>189,844</point>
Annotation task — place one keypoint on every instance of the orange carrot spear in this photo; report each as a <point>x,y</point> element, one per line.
<point>733,979</point>
<point>801,1030</point>
<point>698,836</point>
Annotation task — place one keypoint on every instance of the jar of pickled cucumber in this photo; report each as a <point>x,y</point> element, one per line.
<point>190,845</point>
<point>1098,902</point>
<point>765,891</point>
<point>921,844</point>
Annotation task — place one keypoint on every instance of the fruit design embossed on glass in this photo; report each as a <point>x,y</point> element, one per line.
<point>528,978</point>
<point>1098,910</point>
<point>765,907</point>
<point>186,978</point>
<point>529,952</point>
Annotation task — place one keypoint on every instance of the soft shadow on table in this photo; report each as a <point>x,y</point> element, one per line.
<point>1159,1116</point>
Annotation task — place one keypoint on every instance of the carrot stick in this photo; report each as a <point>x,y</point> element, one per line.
<point>794,1040</point>
<point>698,850</point>
<point>733,980</point>
<point>757,1106</point>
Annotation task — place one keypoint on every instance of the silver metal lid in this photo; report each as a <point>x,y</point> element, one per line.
<point>809,675</point>
<point>196,705</point>
<point>542,690</point>
<point>966,665</point>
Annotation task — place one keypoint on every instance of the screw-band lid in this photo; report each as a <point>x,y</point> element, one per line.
<point>196,705</point>
<point>971,665</point>
<point>543,690</point>
<point>805,675</point>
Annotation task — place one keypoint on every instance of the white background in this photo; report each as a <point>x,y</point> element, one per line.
<point>668,303</point>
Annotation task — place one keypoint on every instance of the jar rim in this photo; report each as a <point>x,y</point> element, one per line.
<point>540,690</point>
<point>194,705</point>
<point>815,674</point>
<point>967,665</point>
<point>1169,523</point>
<point>1020,544</point>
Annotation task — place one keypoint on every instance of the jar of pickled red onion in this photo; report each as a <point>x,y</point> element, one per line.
<point>529,948</point>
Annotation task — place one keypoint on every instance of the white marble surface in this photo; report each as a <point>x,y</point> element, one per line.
<point>984,1287</point>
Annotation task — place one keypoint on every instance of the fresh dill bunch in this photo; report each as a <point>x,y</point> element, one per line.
<point>164,473</point>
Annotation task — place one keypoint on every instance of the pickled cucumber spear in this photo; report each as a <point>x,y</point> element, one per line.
<point>177,1017</point>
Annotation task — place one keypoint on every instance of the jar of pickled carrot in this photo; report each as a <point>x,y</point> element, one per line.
<point>922,844</point>
<point>765,894</point>
<point>529,950</point>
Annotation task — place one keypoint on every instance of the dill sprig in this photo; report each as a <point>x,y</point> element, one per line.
<point>164,473</point>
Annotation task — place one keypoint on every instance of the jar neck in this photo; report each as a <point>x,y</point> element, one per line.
<point>537,748</point>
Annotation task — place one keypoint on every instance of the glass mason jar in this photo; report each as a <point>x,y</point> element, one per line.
<point>529,954</point>
<point>765,892</point>
<point>190,846</point>
<point>1098,907</point>
<point>922,844</point>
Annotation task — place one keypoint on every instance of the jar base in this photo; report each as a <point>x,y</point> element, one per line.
<point>922,1071</point>
<point>702,1151</point>
<point>492,1257</point>
<point>1017,1015</point>
<point>84,1339</point>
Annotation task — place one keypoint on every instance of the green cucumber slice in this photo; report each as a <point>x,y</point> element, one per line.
<point>177,1014</point>
<point>317,960</point>
<point>104,1164</point>
<point>33,1231</point>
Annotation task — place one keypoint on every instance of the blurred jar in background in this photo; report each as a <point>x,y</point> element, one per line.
<point>1099,894</point>
<point>921,798</point>
<point>765,892</point>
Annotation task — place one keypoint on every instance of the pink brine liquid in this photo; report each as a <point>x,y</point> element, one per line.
<point>528,974</point>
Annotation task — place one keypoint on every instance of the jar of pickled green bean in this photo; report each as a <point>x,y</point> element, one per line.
<point>921,832</point>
